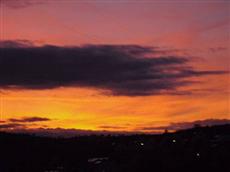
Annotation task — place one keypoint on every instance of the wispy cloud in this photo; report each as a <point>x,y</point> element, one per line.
<point>11,126</point>
<point>16,44</point>
<point>21,127</point>
<point>16,123</point>
<point>28,119</point>
<point>108,127</point>
<point>186,125</point>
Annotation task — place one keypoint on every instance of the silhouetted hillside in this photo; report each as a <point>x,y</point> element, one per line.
<point>198,149</point>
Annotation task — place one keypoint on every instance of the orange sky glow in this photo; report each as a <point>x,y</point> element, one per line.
<point>196,30</point>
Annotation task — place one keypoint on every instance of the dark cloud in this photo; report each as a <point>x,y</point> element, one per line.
<point>186,125</point>
<point>28,119</point>
<point>218,49</point>
<point>116,69</point>
<point>11,126</point>
<point>22,123</point>
<point>111,127</point>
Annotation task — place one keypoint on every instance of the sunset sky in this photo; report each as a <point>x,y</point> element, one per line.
<point>116,65</point>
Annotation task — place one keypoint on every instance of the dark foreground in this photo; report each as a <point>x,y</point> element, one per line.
<point>199,149</point>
